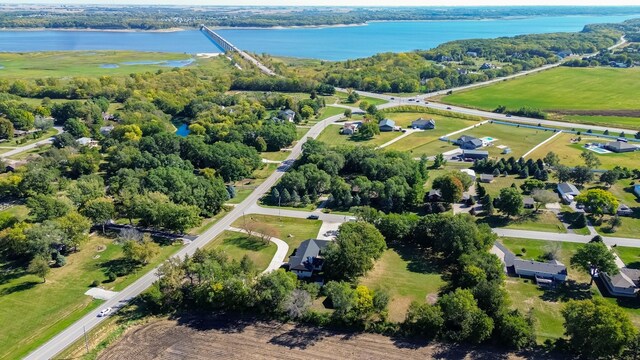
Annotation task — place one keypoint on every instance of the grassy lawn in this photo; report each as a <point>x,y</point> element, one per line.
<point>331,136</point>
<point>621,121</point>
<point>623,191</point>
<point>275,155</point>
<point>406,277</point>
<point>236,245</point>
<point>630,256</point>
<point>300,132</point>
<point>569,153</point>
<point>519,139</point>
<point>246,186</point>
<point>207,223</point>
<point>300,229</point>
<point>500,182</point>
<point>14,142</point>
<point>585,91</point>
<point>424,142</point>
<point>86,63</point>
<point>543,221</point>
<point>330,111</point>
<point>20,212</point>
<point>47,308</point>
<point>375,101</point>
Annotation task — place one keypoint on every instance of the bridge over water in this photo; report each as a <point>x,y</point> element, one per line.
<point>229,47</point>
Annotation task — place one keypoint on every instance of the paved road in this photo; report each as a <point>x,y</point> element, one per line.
<point>76,330</point>
<point>20,149</point>
<point>575,238</point>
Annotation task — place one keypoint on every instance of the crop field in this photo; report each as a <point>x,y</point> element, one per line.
<point>232,338</point>
<point>569,153</point>
<point>91,63</point>
<point>605,95</point>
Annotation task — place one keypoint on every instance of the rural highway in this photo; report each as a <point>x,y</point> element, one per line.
<point>249,205</point>
<point>89,321</point>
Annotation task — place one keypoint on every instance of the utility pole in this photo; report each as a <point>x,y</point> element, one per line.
<point>86,342</point>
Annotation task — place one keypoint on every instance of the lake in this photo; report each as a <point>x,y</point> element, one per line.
<point>330,43</point>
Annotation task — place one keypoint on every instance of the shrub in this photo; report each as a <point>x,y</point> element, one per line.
<point>111,276</point>
<point>95,283</point>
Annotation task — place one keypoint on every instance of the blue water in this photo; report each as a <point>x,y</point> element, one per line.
<point>332,43</point>
<point>183,130</point>
<point>109,66</point>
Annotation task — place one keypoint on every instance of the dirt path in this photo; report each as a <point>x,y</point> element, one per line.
<point>240,339</point>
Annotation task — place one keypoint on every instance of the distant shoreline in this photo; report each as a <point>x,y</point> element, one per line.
<point>175,29</point>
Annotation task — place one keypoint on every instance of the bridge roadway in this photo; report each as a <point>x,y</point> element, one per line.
<point>229,47</point>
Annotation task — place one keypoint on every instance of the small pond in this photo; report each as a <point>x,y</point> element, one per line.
<point>183,130</point>
<point>109,66</point>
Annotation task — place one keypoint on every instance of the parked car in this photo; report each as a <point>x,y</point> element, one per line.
<point>104,312</point>
<point>412,99</point>
<point>404,130</point>
<point>448,107</point>
<point>392,98</point>
<point>313,217</point>
<point>508,115</point>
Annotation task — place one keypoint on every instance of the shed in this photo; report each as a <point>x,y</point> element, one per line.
<point>486,178</point>
<point>475,154</point>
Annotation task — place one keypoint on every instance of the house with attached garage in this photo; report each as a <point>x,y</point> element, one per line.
<point>544,273</point>
<point>469,142</point>
<point>423,124</point>
<point>287,115</point>
<point>387,125</point>
<point>308,259</point>
<point>624,284</point>
<point>567,192</point>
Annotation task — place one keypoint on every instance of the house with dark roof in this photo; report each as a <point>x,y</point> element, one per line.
<point>386,125</point>
<point>434,195</point>
<point>307,258</point>
<point>567,192</point>
<point>620,147</point>
<point>625,283</point>
<point>287,115</point>
<point>474,154</point>
<point>545,273</point>
<point>624,210</point>
<point>423,124</point>
<point>529,203</point>
<point>469,142</point>
<point>350,128</point>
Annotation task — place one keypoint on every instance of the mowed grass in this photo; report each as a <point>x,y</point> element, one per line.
<point>246,186</point>
<point>623,191</point>
<point>562,88</point>
<point>299,229</point>
<point>614,121</point>
<point>236,245</point>
<point>86,63</point>
<point>519,139</point>
<point>530,220</point>
<point>423,142</point>
<point>569,153</point>
<point>331,136</point>
<point>32,312</point>
<point>406,277</point>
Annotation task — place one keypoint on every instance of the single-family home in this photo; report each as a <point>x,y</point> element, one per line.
<point>529,203</point>
<point>434,195</point>
<point>636,190</point>
<point>624,210</point>
<point>350,128</point>
<point>287,115</point>
<point>424,124</point>
<point>472,53</point>
<point>469,172</point>
<point>564,53</point>
<point>106,130</point>
<point>87,141</point>
<point>624,284</point>
<point>620,147</point>
<point>474,154</point>
<point>386,125</point>
<point>545,273</point>
<point>469,142</point>
<point>487,66</point>
<point>486,178</point>
<point>307,258</point>
<point>567,192</point>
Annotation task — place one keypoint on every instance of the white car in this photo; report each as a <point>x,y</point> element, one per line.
<point>104,312</point>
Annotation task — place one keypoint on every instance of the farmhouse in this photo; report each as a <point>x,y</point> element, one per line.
<point>567,192</point>
<point>423,124</point>
<point>545,273</point>
<point>624,284</point>
<point>486,178</point>
<point>307,258</point>
<point>620,147</point>
<point>469,142</point>
<point>386,125</point>
<point>287,115</point>
<point>474,154</point>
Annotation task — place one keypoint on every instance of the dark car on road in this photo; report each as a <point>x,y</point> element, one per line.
<point>313,217</point>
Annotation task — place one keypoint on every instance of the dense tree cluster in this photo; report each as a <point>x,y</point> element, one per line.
<point>353,176</point>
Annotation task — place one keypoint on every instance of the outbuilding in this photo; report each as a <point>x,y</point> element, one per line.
<point>387,125</point>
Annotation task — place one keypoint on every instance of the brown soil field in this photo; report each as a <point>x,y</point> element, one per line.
<point>251,339</point>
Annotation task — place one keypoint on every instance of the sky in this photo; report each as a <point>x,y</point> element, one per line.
<point>341,2</point>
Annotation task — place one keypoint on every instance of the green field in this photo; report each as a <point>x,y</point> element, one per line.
<point>406,277</point>
<point>423,142</point>
<point>569,153</point>
<point>570,91</point>
<point>87,63</point>
<point>623,191</point>
<point>32,311</point>
<point>236,245</point>
<point>541,221</point>
<point>299,229</point>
